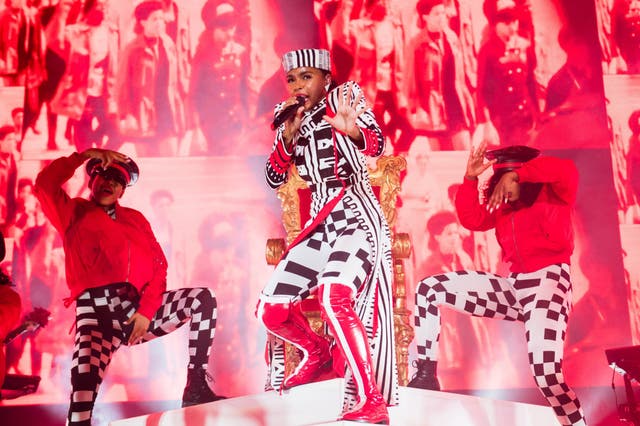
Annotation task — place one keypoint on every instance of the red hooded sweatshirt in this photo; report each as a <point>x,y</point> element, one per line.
<point>530,237</point>
<point>100,250</point>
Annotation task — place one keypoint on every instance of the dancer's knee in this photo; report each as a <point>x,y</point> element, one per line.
<point>273,315</point>
<point>428,288</point>
<point>334,298</point>
<point>207,298</point>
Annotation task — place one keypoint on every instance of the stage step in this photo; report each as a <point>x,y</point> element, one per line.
<point>320,404</point>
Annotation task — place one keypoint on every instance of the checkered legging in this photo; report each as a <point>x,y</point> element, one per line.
<point>540,299</point>
<point>100,330</point>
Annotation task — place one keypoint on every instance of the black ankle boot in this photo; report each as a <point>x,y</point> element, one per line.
<point>425,377</point>
<point>197,390</point>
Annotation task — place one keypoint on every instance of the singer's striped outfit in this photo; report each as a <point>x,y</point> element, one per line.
<point>347,239</point>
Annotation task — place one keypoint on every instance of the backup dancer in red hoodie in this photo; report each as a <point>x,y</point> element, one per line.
<point>116,273</point>
<point>529,202</point>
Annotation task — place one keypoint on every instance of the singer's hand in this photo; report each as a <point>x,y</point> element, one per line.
<point>292,125</point>
<point>348,110</point>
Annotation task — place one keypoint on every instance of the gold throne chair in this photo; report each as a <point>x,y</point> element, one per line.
<point>295,198</point>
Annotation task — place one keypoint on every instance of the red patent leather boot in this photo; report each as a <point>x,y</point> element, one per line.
<point>288,323</point>
<point>351,338</point>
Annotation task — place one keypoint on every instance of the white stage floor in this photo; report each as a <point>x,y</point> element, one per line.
<point>320,403</point>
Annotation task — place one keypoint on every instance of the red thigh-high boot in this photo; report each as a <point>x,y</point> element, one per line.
<point>351,337</point>
<point>287,322</point>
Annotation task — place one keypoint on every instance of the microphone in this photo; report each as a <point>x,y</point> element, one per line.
<point>288,112</point>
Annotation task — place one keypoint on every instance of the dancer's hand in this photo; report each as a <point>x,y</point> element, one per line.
<point>504,191</point>
<point>476,164</point>
<point>140,327</point>
<point>106,156</point>
<point>347,111</point>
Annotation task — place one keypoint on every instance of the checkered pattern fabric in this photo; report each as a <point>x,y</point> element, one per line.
<point>540,299</point>
<point>100,330</point>
<point>336,252</point>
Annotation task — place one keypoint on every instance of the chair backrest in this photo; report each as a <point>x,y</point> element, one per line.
<point>296,199</point>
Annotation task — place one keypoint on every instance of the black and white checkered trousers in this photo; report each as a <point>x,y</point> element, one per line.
<point>540,299</point>
<point>336,252</point>
<point>100,330</point>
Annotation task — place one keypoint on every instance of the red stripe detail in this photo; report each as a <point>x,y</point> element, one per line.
<point>324,211</point>
<point>279,159</point>
<point>513,165</point>
<point>122,169</point>
<point>322,214</point>
<point>284,156</point>
<point>371,144</point>
<point>375,308</point>
<point>330,113</point>
<point>273,164</point>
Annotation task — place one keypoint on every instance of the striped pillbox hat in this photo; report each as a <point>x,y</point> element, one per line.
<point>316,58</point>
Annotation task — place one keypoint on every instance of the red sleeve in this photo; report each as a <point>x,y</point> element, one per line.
<point>471,214</point>
<point>561,174</point>
<point>10,306</point>
<point>56,204</point>
<point>277,167</point>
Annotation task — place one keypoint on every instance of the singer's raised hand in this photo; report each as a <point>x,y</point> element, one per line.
<point>348,110</point>
<point>292,125</point>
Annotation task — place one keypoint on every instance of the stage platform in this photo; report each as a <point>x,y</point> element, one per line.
<point>320,403</point>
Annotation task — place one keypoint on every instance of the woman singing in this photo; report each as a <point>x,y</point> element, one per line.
<point>343,254</point>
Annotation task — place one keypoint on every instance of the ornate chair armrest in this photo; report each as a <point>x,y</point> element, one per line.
<point>274,250</point>
<point>401,248</point>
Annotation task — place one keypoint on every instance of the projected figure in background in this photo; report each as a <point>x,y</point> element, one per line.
<point>164,228</point>
<point>36,270</point>
<point>14,22</point>
<point>8,173</point>
<point>17,119</point>
<point>343,254</point>
<point>529,203</point>
<point>110,311</point>
<point>446,254</point>
<point>85,92</point>
<point>177,28</point>
<point>633,165</point>
<point>507,103</point>
<point>377,42</point>
<point>219,80</point>
<point>224,261</point>
<point>625,29</point>
<point>438,92</point>
<point>577,85</point>
<point>50,54</point>
<point>274,87</point>
<point>149,90</point>
<point>421,196</point>
<point>10,308</point>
